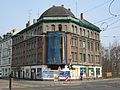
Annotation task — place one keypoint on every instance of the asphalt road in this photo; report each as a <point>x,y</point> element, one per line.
<point>106,84</point>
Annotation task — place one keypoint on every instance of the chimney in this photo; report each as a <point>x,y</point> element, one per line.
<point>13,31</point>
<point>69,9</point>
<point>34,21</point>
<point>28,24</point>
<point>81,16</point>
<point>62,5</point>
<point>53,5</point>
<point>4,36</point>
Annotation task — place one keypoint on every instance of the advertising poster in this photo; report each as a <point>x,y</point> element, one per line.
<point>64,74</point>
<point>83,72</point>
<point>48,74</point>
<point>90,72</point>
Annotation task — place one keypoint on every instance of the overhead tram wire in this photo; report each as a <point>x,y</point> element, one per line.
<point>108,25</point>
<point>114,27</point>
<point>115,15</point>
<point>103,20</point>
<point>114,36</point>
<point>96,6</point>
<point>114,22</point>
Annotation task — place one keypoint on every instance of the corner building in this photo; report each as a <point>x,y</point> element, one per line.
<point>54,41</point>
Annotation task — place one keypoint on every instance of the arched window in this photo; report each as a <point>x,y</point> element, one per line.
<point>53,27</point>
<point>88,33</point>
<point>47,28</point>
<point>65,27</point>
<point>60,27</point>
<point>75,29</point>
<point>81,31</point>
<point>72,29</point>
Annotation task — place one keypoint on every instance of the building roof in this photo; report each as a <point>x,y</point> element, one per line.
<point>57,11</point>
<point>89,25</point>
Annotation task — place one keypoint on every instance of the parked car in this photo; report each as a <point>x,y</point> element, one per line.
<point>0,75</point>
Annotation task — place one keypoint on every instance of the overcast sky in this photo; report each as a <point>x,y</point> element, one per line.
<point>15,13</point>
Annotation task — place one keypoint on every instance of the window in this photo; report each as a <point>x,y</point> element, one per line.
<point>91,34</point>
<point>74,42</point>
<point>95,36</point>
<point>88,45</point>
<point>97,71</point>
<point>98,47</point>
<point>72,29</point>
<point>84,44</point>
<point>65,27</point>
<point>97,59</point>
<point>81,31</point>
<point>89,58</point>
<point>88,34</point>
<point>81,57</point>
<point>72,56</point>
<point>53,27</point>
<point>75,56</point>
<point>84,57</point>
<point>81,44</point>
<point>91,46</point>
<point>91,61</point>
<point>47,28</point>
<point>60,27</point>
<point>98,36</point>
<point>75,29</point>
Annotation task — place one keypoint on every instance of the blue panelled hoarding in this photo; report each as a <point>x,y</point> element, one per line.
<point>56,43</point>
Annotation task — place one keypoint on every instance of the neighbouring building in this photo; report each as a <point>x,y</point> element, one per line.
<point>0,53</point>
<point>54,41</point>
<point>6,53</point>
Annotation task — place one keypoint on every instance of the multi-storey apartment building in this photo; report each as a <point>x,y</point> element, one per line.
<point>54,41</point>
<point>6,54</point>
<point>0,54</point>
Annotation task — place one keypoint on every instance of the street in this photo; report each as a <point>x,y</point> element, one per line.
<point>106,84</point>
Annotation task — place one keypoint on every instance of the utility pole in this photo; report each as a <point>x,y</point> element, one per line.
<point>10,82</point>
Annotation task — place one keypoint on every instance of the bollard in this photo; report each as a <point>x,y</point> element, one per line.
<point>10,82</point>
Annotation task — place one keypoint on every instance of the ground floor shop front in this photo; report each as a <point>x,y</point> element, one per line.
<point>5,71</point>
<point>44,72</point>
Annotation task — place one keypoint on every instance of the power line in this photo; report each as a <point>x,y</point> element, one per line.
<point>97,6</point>
<point>114,22</point>
<point>103,20</point>
<point>114,36</point>
<point>115,15</point>
<point>114,27</point>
